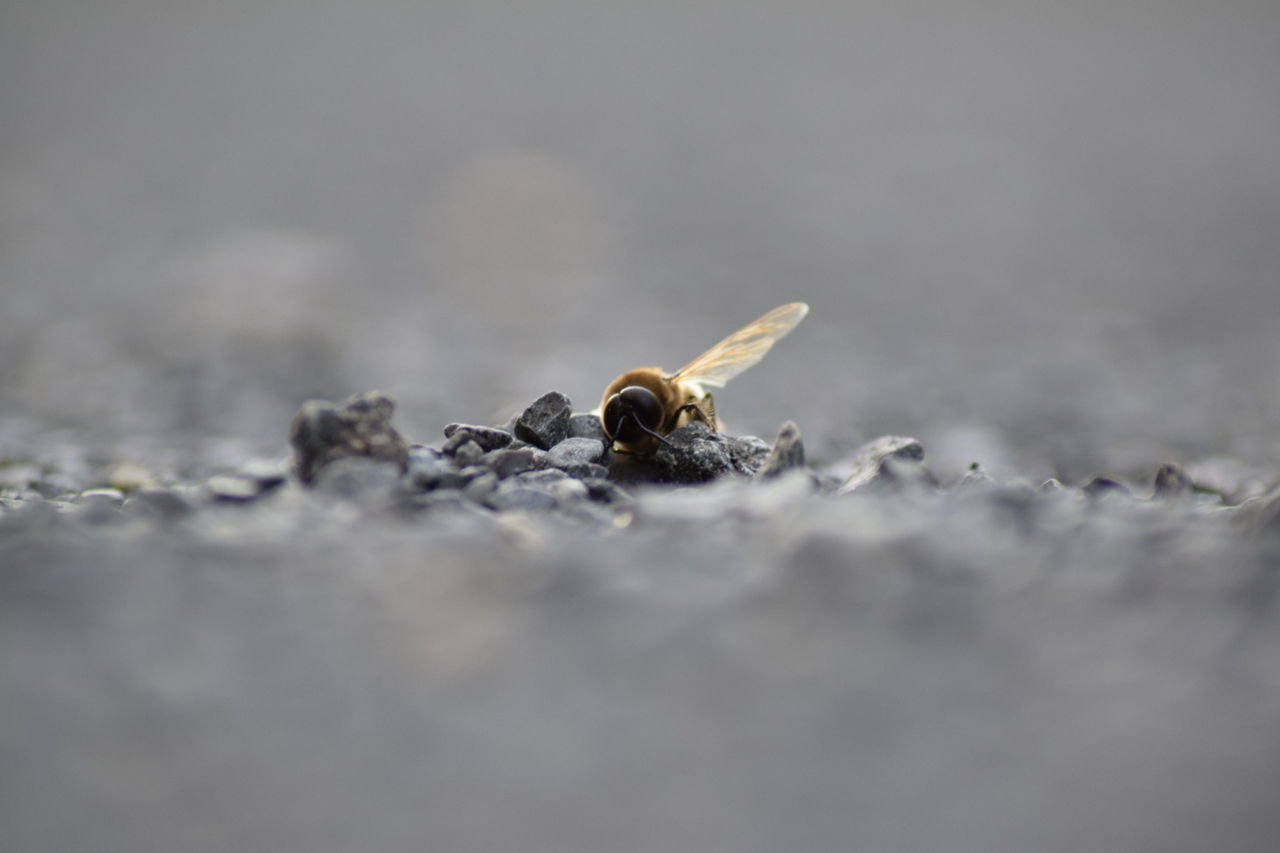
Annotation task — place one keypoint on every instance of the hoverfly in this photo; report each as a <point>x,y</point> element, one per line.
<point>642,406</point>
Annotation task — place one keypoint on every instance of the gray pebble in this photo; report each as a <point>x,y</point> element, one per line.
<point>233,488</point>
<point>489,438</point>
<point>481,487</point>
<point>892,462</point>
<point>467,453</point>
<point>586,425</point>
<point>585,470</point>
<point>575,451</point>
<point>546,422</point>
<point>787,452</point>
<point>113,497</point>
<point>321,433</point>
<point>425,467</point>
<point>509,462</point>
<point>1171,481</point>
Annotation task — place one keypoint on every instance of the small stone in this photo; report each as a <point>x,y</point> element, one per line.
<point>575,451</point>
<point>509,462</point>
<point>586,425</point>
<point>585,470</point>
<point>787,452</point>
<point>1101,486</point>
<point>489,438</point>
<point>322,433</point>
<point>481,487</point>
<point>890,461</point>
<point>424,468</point>
<point>1171,481</point>
<point>747,452</point>
<point>267,473</point>
<point>467,453</point>
<point>975,479</point>
<point>694,454</point>
<point>546,422</point>
<point>606,491</point>
<point>233,488</point>
<point>112,496</point>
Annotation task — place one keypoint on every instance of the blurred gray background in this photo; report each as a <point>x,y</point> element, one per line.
<point>1040,235</point>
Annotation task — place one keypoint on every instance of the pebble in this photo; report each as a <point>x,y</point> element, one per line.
<point>546,422</point>
<point>575,451</point>
<point>322,433</point>
<point>889,462</point>
<point>489,438</point>
<point>586,425</point>
<point>787,452</point>
<point>509,462</point>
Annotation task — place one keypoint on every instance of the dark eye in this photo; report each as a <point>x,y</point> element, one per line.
<point>631,413</point>
<point>611,417</point>
<point>643,405</point>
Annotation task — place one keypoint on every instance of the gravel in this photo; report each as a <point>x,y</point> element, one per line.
<point>404,640</point>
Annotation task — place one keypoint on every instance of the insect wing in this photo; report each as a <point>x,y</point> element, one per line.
<point>742,349</point>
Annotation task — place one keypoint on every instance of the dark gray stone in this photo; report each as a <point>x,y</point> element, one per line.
<point>1100,487</point>
<point>585,470</point>
<point>546,422</point>
<point>690,454</point>
<point>605,491</point>
<point>233,488</point>
<point>509,462</point>
<point>540,477</point>
<point>787,452</point>
<point>575,451</point>
<point>425,467</point>
<point>489,438</point>
<point>481,487</point>
<point>1172,481</point>
<point>586,425</point>
<point>322,433</point>
<point>467,453</point>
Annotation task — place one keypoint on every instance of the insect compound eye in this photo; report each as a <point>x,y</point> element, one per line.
<point>611,417</point>
<point>631,413</point>
<point>643,405</point>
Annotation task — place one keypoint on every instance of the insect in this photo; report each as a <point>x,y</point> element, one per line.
<point>642,406</point>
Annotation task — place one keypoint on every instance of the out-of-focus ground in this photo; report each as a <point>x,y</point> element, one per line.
<point>1041,236</point>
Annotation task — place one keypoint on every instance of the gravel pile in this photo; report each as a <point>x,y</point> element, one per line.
<point>515,638</point>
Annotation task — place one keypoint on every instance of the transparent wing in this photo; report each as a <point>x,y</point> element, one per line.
<point>742,349</point>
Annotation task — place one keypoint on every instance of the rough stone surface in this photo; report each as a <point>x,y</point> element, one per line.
<point>489,438</point>
<point>890,462</point>
<point>322,433</point>
<point>575,451</point>
<point>477,590</point>
<point>546,422</point>
<point>787,452</point>
<point>586,425</point>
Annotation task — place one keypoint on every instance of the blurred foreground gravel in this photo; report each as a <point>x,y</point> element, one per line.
<point>462,646</point>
